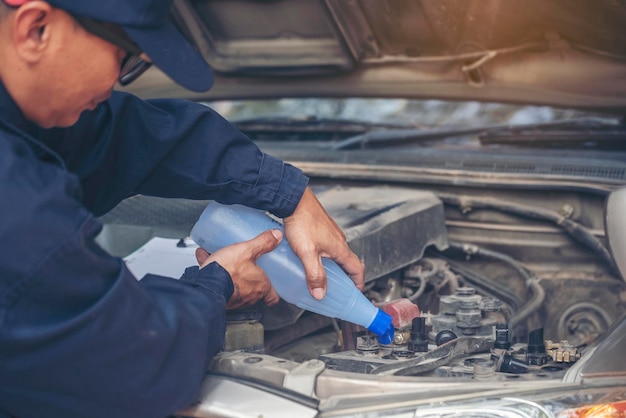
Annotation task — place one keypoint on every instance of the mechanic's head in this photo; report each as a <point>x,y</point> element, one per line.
<point>61,57</point>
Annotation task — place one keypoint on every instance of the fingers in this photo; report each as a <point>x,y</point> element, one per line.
<point>353,266</point>
<point>315,275</point>
<point>202,256</point>
<point>271,298</point>
<point>265,242</point>
<point>247,294</point>
<point>250,282</point>
<point>235,300</point>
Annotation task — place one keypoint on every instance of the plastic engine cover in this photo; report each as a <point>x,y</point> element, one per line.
<point>388,228</point>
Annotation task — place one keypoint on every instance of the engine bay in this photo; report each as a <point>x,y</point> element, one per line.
<point>480,287</point>
<point>462,308</point>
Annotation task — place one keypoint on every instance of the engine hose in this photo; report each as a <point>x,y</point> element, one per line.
<point>534,287</point>
<point>574,229</point>
<point>534,303</point>
<point>481,282</point>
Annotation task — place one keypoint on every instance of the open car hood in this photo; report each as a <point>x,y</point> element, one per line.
<point>569,53</point>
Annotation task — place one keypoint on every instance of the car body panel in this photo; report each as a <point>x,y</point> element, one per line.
<point>560,53</point>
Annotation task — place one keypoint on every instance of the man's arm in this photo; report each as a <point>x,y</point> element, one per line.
<point>78,333</point>
<point>177,148</point>
<point>172,148</point>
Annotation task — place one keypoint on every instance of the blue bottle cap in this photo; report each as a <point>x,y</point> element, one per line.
<point>382,326</point>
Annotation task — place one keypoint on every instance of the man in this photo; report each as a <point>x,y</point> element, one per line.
<point>79,335</point>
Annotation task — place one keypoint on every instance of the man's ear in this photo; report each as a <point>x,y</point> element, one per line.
<point>31,32</point>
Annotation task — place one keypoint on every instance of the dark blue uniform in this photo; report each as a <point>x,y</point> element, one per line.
<point>79,335</point>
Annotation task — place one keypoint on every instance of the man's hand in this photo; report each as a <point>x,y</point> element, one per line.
<point>239,260</point>
<point>313,234</point>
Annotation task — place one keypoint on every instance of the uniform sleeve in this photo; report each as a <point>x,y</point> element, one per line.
<point>172,148</point>
<point>79,335</point>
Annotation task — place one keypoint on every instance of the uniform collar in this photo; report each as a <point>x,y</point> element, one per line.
<point>12,117</point>
<point>11,113</point>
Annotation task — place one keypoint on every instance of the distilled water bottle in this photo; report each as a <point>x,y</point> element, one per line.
<point>222,225</point>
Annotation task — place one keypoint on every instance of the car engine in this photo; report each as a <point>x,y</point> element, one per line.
<point>491,287</point>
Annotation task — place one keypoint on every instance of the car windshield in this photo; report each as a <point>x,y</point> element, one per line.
<point>350,123</point>
<point>400,111</point>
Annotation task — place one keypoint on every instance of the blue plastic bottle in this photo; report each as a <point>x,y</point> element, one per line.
<point>222,225</point>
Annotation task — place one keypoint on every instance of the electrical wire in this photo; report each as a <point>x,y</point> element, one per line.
<point>577,231</point>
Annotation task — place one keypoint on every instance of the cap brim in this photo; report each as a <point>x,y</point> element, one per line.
<point>170,51</point>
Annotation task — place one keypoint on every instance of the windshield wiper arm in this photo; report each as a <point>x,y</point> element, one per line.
<point>596,135</point>
<point>305,124</point>
<point>403,136</point>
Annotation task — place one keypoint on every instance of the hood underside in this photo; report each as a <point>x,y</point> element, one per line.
<point>569,53</point>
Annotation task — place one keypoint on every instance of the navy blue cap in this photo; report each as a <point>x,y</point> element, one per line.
<point>149,24</point>
<point>382,326</point>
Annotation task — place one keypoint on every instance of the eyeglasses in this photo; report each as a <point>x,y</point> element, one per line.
<point>134,63</point>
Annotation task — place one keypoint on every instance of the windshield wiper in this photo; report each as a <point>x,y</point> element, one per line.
<point>577,129</point>
<point>575,133</point>
<point>302,126</point>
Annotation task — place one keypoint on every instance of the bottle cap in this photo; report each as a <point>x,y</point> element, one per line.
<point>382,326</point>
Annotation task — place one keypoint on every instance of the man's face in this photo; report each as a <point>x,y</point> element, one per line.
<point>81,70</point>
<point>64,72</point>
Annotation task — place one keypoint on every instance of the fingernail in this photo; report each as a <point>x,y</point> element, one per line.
<point>318,293</point>
<point>277,234</point>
